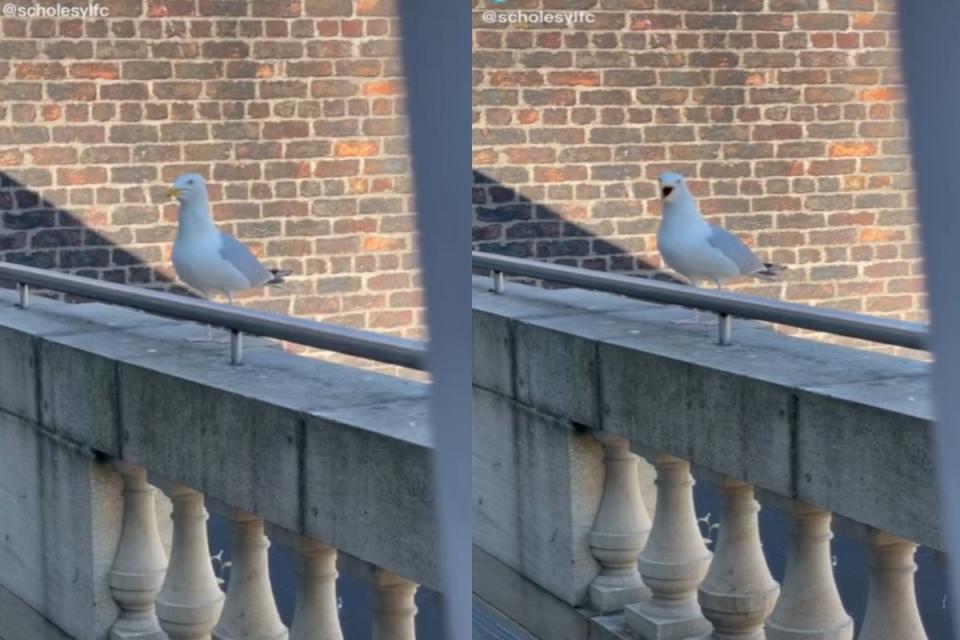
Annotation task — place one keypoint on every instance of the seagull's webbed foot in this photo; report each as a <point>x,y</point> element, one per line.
<point>209,338</point>
<point>702,322</point>
<point>202,339</point>
<point>697,319</point>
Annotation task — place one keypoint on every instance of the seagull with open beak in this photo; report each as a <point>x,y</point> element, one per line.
<point>697,249</point>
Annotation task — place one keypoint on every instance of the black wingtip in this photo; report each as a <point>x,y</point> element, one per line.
<point>770,269</point>
<point>279,275</point>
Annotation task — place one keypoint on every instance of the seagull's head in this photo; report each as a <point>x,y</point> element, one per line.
<point>672,186</point>
<point>188,188</point>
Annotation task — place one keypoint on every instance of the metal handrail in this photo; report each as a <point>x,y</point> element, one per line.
<point>321,335</point>
<point>912,335</point>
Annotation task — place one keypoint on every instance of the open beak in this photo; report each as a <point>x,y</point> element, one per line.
<point>666,191</point>
<point>174,192</point>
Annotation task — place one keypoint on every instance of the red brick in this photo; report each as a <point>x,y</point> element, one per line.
<point>356,148</point>
<point>852,149</point>
<point>81,176</point>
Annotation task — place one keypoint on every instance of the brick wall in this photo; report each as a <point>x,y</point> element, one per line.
<point>292,110</point>
<point>785,115</point>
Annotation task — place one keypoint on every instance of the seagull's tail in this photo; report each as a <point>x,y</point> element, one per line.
<point>278,276</point>
<point>770,270</point>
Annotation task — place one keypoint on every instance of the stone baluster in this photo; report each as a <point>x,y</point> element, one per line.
<point>738,593</point>
<point>809,604</point>
<point>249,612</point>
<point>190,601</point>
<point>648,484</point>
<point>391,606</point>
<point>620,530</point>
<point>140,563</point>
<point>316,615</point>
<point>673,562</point>
<point>892,600</point>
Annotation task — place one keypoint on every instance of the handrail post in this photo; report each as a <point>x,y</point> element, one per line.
<point>724,328</point>
<point>236,347</point>
<point>498,284</point>
<point>23,292</point>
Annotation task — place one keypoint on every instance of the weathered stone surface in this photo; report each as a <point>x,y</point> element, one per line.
<point>855,439</point>
<point>341,453</point>
<point>537,485</point>
<point>368,486</point>
<point>844,429</point>
<point>63,523</point>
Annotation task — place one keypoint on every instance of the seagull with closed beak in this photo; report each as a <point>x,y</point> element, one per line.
<point>205,258</point>
<point>696,249</point>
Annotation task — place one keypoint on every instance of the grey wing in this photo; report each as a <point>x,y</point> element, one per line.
<point>240,256</point>
<point>733,247</point>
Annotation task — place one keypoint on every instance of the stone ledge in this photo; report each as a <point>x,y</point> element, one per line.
<point>847,430</point>
<point>337,453</point>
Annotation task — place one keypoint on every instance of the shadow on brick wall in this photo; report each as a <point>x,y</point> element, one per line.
<point>37,233</point>
<point>507,223</point>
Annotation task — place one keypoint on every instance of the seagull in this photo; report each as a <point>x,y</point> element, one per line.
<point>697,249</point>
<point>205,258</point>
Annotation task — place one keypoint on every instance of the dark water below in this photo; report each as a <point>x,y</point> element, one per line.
<point>354,594</point>
<point>850,569</point>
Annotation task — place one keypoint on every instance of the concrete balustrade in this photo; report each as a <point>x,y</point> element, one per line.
<point>312,448</point>
<point>249,612</point>
<point>316,614</point>
<point>140,564</point>
<point>892,599</point>
<point>738,592</point>
<point>813,429</point>
<point>809,604</point>
<point>673,562</point>
<point>190,601</point>
<point>620,531</point>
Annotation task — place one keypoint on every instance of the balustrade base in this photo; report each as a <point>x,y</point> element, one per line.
<point>655,621</point>
<point>719,635</point>
<point>243,635</point>
<point>744,610</point>
<point>137,630</point>
<point>843,631</point>
<point>611,598</point>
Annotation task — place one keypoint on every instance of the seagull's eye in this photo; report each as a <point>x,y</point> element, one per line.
<point>189,181</point>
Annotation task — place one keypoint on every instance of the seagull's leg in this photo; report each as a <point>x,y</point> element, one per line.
<point>223,339</point>
<point>209,337</point>
<point>696,312</point>
<point>719,288</point>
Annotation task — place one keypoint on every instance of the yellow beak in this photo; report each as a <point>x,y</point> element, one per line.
<point>173,192</point>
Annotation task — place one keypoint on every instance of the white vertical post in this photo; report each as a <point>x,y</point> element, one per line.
<point>392,608</point>
<point>249,612</point>
<point>23,295</point>
<point>738,593</point>
<point>190,601</point>
<point>809,604</point>
<point>892,598</point>
<point>140,564</point>
<point>673,562</point>
<point>236,347</point>
<point>498,283</point>
<point>316,615</point>
<point>620,530</point>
